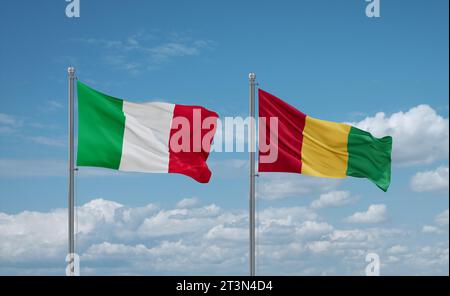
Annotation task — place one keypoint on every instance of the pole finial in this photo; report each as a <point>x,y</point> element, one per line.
<point>71,70</point>
<point>251,76</point>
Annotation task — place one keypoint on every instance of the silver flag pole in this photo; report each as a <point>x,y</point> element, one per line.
<point>71,206</point>
<point>252,250</point>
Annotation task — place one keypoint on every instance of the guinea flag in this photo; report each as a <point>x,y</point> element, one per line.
<point>315,147</point>
<point>143,137</point>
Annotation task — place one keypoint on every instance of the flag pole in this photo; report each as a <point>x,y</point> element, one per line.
<point>252,78</point>
<point>71,206</point>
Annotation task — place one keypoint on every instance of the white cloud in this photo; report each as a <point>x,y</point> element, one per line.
<point>353,235</point>
<point>141,52</point>
<point>431,229</point>
<point>319,246</point>
<point>48,141</point>
<point>285,215</point>
<point>188,202</point>
<point>280,186</point>
<point>436,180</point>
<point>6,119</point>
<point>227,233</point>
<point>101,209</point>
<point>374,214</point>
<point>37,236</point>
<point>54,104</point>
<point>9,124</point>
<point>179,221</point>
<point>20,128</point>
<point>420,135</point>
<point>51,105</point>
<point>430,257</point>
<point>397,249</point>
<point>442,218</point>
<point>333,199</point>
<point>119,235</point>
<point>441,224</point>
<point>115,239</point>
<point>313,229</point>
<point>168,50</point>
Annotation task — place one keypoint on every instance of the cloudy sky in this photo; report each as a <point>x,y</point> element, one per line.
<point>388,76</point>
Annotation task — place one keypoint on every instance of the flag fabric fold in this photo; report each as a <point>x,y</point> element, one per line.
<point>148,137</point>
<point>322,148</point>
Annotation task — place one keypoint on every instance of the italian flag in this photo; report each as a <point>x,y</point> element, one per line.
<point>143,137</point>
<point>320,148</point>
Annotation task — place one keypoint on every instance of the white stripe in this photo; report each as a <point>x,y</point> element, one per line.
<point>146,137</point>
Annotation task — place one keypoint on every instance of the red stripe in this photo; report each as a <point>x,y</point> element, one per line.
<point>291,123</point>
<point>191,163</point>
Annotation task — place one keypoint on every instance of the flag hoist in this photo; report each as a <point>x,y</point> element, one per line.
<point>71,198</point>
<point>252,174</point>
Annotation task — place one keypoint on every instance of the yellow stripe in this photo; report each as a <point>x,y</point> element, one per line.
<point>324,149</point>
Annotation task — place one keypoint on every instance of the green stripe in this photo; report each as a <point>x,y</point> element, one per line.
<point>369,157</point>
<point>101,125</point>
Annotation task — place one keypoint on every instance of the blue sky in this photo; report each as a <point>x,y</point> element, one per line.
<point>387,75</point>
